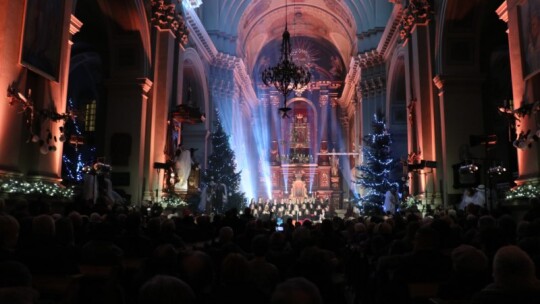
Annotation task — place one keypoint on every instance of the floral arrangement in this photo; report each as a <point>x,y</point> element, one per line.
<point>173,200</point>
<point>410,201</point>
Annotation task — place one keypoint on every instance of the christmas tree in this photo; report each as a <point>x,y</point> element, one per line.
<point>375,170</point>
<point>222,171</point>
<point>76,156</point>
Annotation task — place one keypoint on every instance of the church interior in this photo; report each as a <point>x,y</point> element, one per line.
<point>348,119</point>
<point>128,83</point>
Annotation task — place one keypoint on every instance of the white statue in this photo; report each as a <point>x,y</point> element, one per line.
<point>182,167</point>
<point>334,161</point>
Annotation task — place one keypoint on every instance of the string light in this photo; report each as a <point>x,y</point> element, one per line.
<point>523,191</point>
<point>13,186</point>
<point>76,158</point>
<point>376,168</point>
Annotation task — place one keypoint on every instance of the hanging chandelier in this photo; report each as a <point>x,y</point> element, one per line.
<point>286,76</point>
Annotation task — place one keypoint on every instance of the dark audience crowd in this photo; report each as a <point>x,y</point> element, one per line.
<point>125,255</point>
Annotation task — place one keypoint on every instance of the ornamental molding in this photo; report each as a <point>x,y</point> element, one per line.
<point>370,59</point>
<point>390,34</point>
<point>199,35</point>
<point>439,82</point>
<point>75,25</point>
<point>167,14</point>
<point>502,12</point>
<point>373,86</point>
<point>415,12</point>
<point>351,82</point>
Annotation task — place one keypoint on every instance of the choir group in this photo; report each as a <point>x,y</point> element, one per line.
<point>312,209</point>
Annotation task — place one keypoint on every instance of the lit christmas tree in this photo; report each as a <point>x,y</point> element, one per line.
<point>76,156</point>
<point>222,170</point>
<point>375,170</point>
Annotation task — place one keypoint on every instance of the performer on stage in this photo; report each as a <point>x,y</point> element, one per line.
<point>390,200</point>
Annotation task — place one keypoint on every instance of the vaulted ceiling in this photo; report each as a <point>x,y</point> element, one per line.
<point>323,20</point>
<point>244,27</point>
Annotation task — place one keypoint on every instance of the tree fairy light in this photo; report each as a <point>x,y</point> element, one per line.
<point>375,170</point>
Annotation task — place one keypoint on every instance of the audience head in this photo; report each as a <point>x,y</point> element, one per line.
<point>76,219</point>
<point>43,226</point>
<point>426,238</point>
<point>296,291</point>
<point>14,274</point>
<point>168,226</point>
<point>16,284</point>
<point>468,259</point>
<point>64,231</point>
<point>226,234</point>
<point>514,269</point>
<point>165,256</point>
<point>95,218</point>
<point>234,269</point>
<point>360,228</point>
<point>9,232</point>
<point>486,222</point>
<point>163,289</point>
<point>259,245</point>
<point>197,269</point>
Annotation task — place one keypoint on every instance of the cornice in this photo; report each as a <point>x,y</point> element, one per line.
<point>390,34</point>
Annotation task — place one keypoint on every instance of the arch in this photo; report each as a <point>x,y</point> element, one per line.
<point>335,24</point>
<point>396,108</point>
<point>315,119</point>
<point>131,16</point>
<point>194,69</point>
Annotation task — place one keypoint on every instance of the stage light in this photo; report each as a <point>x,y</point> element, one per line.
<point>496,170</point>
<point>468,169</point>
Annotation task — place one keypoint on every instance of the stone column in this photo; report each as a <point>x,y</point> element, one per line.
<point>128,104</point>
<point>50,95</point>
<point>524,87</point>
<point>158,109</point>
<point>446,169</point>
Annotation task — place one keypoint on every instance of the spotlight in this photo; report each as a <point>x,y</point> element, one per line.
<point>496,170</point>
<point>468,169</point>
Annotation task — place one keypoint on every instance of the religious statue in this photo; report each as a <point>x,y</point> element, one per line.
<point>298,187</point>
<point>182,168</point>
<point>334,162</point>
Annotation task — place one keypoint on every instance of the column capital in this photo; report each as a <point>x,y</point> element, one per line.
<point>75,25</point>
<point>439,83</point>
<point>145,84</point>
<point>417,12</point>
<point>167,14</point>
<point>502,11</point>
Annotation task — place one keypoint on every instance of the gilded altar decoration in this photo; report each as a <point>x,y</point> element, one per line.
<point>298,186</point>
<point>300,133</point>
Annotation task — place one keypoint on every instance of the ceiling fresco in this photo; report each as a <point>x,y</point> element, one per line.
<point>321,58</point>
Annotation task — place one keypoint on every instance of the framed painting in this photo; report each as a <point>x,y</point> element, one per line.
<point>529,28</point>
<point>42,37</point>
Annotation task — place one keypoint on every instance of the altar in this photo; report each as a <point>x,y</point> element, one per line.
<point>299,173</point>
